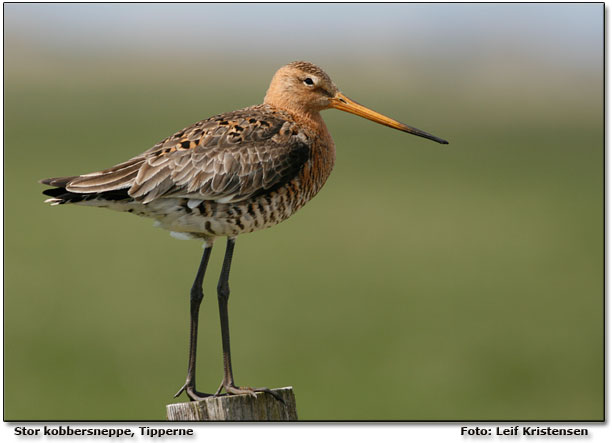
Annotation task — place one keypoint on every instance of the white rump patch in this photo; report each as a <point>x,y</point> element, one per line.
<point>226,199</point>
<point>53,201</point>
<point>156,224</point>
<point>181,235</point>
<point>193,203</point>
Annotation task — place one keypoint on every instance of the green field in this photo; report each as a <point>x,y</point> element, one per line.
<point>424,282</point>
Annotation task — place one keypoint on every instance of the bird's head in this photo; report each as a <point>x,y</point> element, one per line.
<point>301,85</point>
<point>305,88</point>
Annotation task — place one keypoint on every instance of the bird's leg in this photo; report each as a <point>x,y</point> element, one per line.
<point>196,299</point>
<point>223,292</point>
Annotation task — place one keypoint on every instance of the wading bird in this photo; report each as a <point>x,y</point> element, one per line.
<point>233,173</point>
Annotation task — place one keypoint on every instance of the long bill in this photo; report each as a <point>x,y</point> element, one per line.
<point>343,103</point>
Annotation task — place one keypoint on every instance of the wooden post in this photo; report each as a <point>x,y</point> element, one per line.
<point>237,408</point>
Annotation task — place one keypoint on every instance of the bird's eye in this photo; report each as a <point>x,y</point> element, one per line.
<point>308,81</point>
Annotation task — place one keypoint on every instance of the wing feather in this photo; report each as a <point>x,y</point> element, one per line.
<point>229,157</point>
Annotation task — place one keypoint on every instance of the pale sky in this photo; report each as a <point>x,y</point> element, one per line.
<point>565,33</point>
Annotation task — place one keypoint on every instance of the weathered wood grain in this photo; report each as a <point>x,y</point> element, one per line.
<point>237,408</point>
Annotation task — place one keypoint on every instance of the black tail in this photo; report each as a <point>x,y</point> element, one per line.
<point>61,195</point>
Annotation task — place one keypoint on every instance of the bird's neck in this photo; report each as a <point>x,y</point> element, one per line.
<point>315,122</point>
<point>308,117</point>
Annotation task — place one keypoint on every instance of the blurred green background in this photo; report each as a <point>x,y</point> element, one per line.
<point>424,282</point>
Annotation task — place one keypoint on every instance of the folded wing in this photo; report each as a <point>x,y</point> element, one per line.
<point>226,158</point>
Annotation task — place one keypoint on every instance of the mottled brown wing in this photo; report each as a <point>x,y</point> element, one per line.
<point>225,158</point>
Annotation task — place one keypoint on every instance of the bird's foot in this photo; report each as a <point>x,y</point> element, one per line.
<point>190,390</point>
<point>231,389</point>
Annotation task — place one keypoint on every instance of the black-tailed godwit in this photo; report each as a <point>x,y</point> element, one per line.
<point>232,173</point>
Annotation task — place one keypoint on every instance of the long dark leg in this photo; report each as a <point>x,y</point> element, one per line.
<point>223,293</point>
<point>196,299</point>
